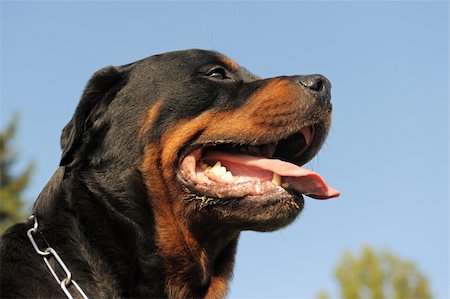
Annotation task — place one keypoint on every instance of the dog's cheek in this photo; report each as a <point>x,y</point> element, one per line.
<point>179,136</point>
<point>271,109</point>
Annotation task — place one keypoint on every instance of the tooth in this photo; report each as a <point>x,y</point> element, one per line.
<point>228,176</point>
<point>218,169</point>
<point>308,134</point>
<point>240,180</point>
<point>221,171</point>
<point>276,179</point>
<point>269,149</point>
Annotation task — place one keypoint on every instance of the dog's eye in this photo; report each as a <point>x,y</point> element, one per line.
<point>217,73</point>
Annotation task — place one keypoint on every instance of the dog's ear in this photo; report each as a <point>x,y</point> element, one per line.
<point>99,92</point>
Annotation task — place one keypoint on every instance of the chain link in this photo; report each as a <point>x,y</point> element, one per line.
<point>48,253</point>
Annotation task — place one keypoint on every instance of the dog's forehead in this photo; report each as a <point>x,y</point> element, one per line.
<point>197,57</point>
<point>191,60</point>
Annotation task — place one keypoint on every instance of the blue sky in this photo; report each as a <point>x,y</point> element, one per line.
<point>387,151</point>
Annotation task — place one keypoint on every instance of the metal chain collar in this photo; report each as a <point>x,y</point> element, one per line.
<point>48,253</point>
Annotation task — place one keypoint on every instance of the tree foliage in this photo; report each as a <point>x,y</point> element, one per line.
<point>379,275</point>
<point>11,186</point>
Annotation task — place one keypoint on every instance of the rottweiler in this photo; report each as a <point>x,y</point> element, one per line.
<point>164,162</point>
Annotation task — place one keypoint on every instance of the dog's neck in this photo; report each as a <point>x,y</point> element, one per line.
<point>196,265</point>
<point>198,257</point>
<point>124,256</point>
<point>197,260</point>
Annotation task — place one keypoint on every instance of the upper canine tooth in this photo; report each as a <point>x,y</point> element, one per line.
<point>307,134</point>
<point>276,179</point>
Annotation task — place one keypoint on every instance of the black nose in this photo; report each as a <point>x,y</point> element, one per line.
<point>316,84</point>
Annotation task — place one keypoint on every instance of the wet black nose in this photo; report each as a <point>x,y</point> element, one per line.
<point>316,84</point>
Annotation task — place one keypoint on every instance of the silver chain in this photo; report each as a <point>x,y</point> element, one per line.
<point>50,252</point>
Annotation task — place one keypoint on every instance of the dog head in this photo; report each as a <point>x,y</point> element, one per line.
<point>207,135</point>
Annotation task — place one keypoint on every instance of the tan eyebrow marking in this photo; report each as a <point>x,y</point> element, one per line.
<point>233,65</point>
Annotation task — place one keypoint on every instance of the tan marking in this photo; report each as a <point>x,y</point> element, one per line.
<point>233,65</point>
<point>172,237</point>
<point>218,288</point>
<point>149,119</point>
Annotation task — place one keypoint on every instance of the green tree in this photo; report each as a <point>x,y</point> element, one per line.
<point>11,186</point>
<point>379,275</point>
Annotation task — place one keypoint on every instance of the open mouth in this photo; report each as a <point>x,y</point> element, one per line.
<point>233,170</point>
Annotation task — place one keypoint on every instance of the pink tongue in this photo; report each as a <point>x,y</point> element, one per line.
<point>301,179</point>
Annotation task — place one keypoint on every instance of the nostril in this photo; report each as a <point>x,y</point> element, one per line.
<point>316,83</point>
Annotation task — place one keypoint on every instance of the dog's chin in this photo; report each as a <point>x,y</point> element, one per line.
<point>271,209</point>
<point>267,212</point>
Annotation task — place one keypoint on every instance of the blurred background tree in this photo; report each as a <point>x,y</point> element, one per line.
<point>11,185</point>
<point>379,275</point>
